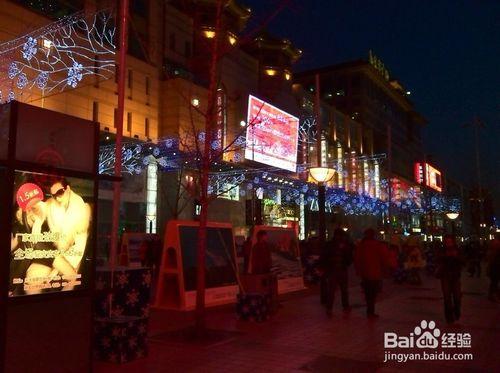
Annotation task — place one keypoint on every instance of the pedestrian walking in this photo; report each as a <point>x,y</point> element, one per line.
<point>450,263</point>
<point>372,259</point>
<point>246,249</point>
<point>260,261</point>
<point>334,264</point>
<point>494,267</point>
<point>473,256</point>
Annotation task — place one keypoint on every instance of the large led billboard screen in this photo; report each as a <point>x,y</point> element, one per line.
<point>272,135</point>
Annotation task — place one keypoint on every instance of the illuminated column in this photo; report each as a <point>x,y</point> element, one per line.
<point>354,181</point>
<point>366,176</point>
<point>340,167</point>
<point>151,194</point>
<point>360,176</point>
<point>302,221</point>
<point>323,153</point>
<point>376,179</point>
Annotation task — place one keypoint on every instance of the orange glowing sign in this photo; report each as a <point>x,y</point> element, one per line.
<point>429,176</point>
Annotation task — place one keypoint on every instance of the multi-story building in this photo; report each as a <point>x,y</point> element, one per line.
<point>96,98</point>
<point>389,123</point>
<point>166,91</point>
<point>167,82</point>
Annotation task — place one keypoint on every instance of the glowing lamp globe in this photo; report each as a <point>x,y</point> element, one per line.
<point>452,215</point>
<point>321,174</point>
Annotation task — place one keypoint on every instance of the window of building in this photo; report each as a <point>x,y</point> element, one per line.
<point>146,127</point>
<point>138,44</point>
<point>129,122</point>
<point>117,72</point>
<point>147,85</point>
<point>139,7</point>
<point>115,117</point>
<point>172,41</point>
<point>95,111</point>
<point>130,79</point>
<point>409,132</point>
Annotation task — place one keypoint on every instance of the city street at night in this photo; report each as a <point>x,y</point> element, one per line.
<point>300,338</point>
<point>249,186</point>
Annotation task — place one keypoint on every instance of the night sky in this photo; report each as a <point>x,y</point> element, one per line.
<point>447,53</point>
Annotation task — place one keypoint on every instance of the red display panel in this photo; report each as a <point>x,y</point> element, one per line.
<point>429,176</point>
<point>272,135</point>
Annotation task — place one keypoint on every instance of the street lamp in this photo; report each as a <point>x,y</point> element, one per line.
<point>452,216</point>
<point>321,175</point>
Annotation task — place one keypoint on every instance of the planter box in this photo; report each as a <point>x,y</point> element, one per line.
<point>253,306</point>
<point>120,339</point>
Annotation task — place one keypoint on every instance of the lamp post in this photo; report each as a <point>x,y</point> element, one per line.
<point>322,175</point>
<point>452,216</point>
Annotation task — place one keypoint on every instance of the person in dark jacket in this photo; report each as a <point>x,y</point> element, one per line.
<point>372,259</point>
<point>449,270</point>
<point>260,257</point>
<point>494,267</point>
<point>334,264</point>
<point>246,249</point>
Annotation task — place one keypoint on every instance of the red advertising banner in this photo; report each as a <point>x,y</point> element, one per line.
<point>272,135</point>
<point>428,175</point>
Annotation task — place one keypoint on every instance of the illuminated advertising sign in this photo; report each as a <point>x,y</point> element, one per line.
<point>272,135</point>
<point>50,234</point>
<point>429,176</point>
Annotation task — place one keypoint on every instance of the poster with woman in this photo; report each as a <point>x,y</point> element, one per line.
<point>50,234</point>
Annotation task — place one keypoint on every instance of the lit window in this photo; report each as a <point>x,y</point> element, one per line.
<point>47,44</point>
<point>270,72</point>
<point>209,34</point>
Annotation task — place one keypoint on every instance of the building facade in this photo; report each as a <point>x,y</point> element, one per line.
<point>371,131</point>
<point>388,124</point>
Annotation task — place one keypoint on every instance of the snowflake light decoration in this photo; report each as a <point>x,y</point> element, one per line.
<point>58,55</point>
<point>74,74</point>
<point>29,48</point>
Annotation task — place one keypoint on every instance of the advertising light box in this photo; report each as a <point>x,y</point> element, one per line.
<point>50,234</point>
<point>272,135</point>
<point>429,176</point>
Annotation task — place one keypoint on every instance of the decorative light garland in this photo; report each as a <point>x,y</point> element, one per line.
<point>58,56</point>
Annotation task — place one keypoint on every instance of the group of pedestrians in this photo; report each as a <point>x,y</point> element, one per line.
<point>374,260</point>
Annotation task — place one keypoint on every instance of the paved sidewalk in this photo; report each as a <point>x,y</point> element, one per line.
<point>301,338</point>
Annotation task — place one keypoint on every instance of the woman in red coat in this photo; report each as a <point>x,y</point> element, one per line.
<point>372,259</point>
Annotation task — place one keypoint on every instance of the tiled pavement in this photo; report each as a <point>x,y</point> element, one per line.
<point>300,338</point>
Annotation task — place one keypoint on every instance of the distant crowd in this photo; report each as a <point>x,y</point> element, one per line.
<point>404,261</point>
